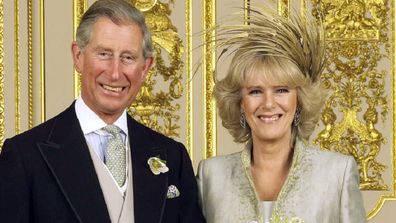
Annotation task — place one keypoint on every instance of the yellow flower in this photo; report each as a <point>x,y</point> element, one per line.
<point>157,165</point>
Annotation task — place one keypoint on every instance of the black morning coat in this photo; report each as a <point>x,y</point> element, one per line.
<point>47,176</point>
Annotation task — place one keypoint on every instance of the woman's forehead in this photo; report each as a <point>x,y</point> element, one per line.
<point>263,77</point>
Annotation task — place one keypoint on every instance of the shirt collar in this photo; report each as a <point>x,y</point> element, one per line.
<point>90,121</point>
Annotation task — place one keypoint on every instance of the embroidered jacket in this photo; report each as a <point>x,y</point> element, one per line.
<point>321,187</point>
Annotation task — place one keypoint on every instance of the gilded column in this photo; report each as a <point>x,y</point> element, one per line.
<point>190,110</point>
<point>79,7</point>
<point>42,61</point>
<point>17,84</point>
<point>209,110</point>
<point>2,129</point>
<point>30,63</point>
<point>246,8</point>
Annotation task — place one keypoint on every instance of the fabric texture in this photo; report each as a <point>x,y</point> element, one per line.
<point>321,187</point>
<point>119,203</point>
<point>116,154</point>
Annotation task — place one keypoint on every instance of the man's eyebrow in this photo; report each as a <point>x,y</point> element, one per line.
<point>133,52</point>
<point>99,48</point>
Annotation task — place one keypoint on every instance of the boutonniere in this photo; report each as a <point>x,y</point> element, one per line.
<point>157,165</point>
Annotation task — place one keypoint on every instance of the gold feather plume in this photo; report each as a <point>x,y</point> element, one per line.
<point>300,40</point>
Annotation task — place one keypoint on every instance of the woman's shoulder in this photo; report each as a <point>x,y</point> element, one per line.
<point>318,153</point>
<point>327,159</point>
<point>222,165</point>
<point>221,160</point>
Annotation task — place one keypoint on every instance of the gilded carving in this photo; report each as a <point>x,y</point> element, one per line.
<point>354,19</point>
<point>356,31</point>
<point>144,5</point>
<point>284,8</point>
<point>152,107</point>
<point>2,129</point>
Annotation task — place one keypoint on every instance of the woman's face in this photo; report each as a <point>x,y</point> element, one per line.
<point>269,109</point>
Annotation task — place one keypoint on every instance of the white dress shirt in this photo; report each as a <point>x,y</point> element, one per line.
<point>91,125</point>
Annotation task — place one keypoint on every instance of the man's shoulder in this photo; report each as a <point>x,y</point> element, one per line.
<point>42,130</point>
<point>148,134</point>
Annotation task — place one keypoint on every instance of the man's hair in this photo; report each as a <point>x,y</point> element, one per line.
<point>119,12</point>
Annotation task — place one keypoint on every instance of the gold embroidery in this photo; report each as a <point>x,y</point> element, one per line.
<point>299,166</point>
<point>276,218</point>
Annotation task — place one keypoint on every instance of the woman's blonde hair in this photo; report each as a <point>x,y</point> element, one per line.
<point>286,51</point>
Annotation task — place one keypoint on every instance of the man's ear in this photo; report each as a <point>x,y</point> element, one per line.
<point>148,63</point>
<point>77,56</point>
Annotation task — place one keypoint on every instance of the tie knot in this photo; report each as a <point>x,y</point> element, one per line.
<point>112,129</point>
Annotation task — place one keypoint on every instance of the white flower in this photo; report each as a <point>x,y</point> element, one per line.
<point>157,165</point>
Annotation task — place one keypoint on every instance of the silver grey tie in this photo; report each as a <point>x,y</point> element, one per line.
<point>115,154</point>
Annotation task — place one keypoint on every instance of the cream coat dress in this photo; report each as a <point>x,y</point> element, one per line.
<point>321,187</point>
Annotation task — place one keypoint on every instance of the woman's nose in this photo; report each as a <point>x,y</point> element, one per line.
<point>269,100</point>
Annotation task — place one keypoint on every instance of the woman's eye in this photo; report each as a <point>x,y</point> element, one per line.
<point>282,90</point>
<point>254,92</point>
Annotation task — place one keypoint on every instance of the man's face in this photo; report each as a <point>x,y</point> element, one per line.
<point>112,67</point>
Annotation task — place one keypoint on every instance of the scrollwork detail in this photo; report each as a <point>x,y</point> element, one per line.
<point>357,36</point>
<point>158,109</point>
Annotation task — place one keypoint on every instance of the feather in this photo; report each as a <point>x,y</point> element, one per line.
<point>297,39</point>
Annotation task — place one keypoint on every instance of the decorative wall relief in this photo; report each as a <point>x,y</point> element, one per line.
<point>357,37</point>
<point>152,107</point>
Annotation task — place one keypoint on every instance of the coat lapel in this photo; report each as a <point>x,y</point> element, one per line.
<point>67,156</point>
<point>149,189</point>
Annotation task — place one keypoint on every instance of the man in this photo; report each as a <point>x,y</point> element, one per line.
<point>93,162</point>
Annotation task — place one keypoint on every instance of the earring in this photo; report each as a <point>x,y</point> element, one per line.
<point>242,119</point>
<point>297,116</point>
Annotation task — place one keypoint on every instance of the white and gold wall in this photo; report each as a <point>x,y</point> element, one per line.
<point>37,79</point>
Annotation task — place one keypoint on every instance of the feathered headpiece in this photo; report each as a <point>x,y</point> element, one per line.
<point>297,39</point>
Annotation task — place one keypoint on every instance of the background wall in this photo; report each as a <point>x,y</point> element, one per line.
<point>37,79</point>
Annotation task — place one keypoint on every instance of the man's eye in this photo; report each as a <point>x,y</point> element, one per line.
<point>104,55</point>
<point>127,59</point>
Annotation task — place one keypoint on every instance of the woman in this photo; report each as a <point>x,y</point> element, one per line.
<point>270,100</point>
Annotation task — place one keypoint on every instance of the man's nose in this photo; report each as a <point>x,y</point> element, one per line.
<point>115,69</point>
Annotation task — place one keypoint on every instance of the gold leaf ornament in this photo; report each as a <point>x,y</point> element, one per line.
<point>144,5</point>
<point>157,165</point>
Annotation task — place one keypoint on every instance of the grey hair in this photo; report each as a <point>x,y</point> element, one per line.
<point>119,12</point>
